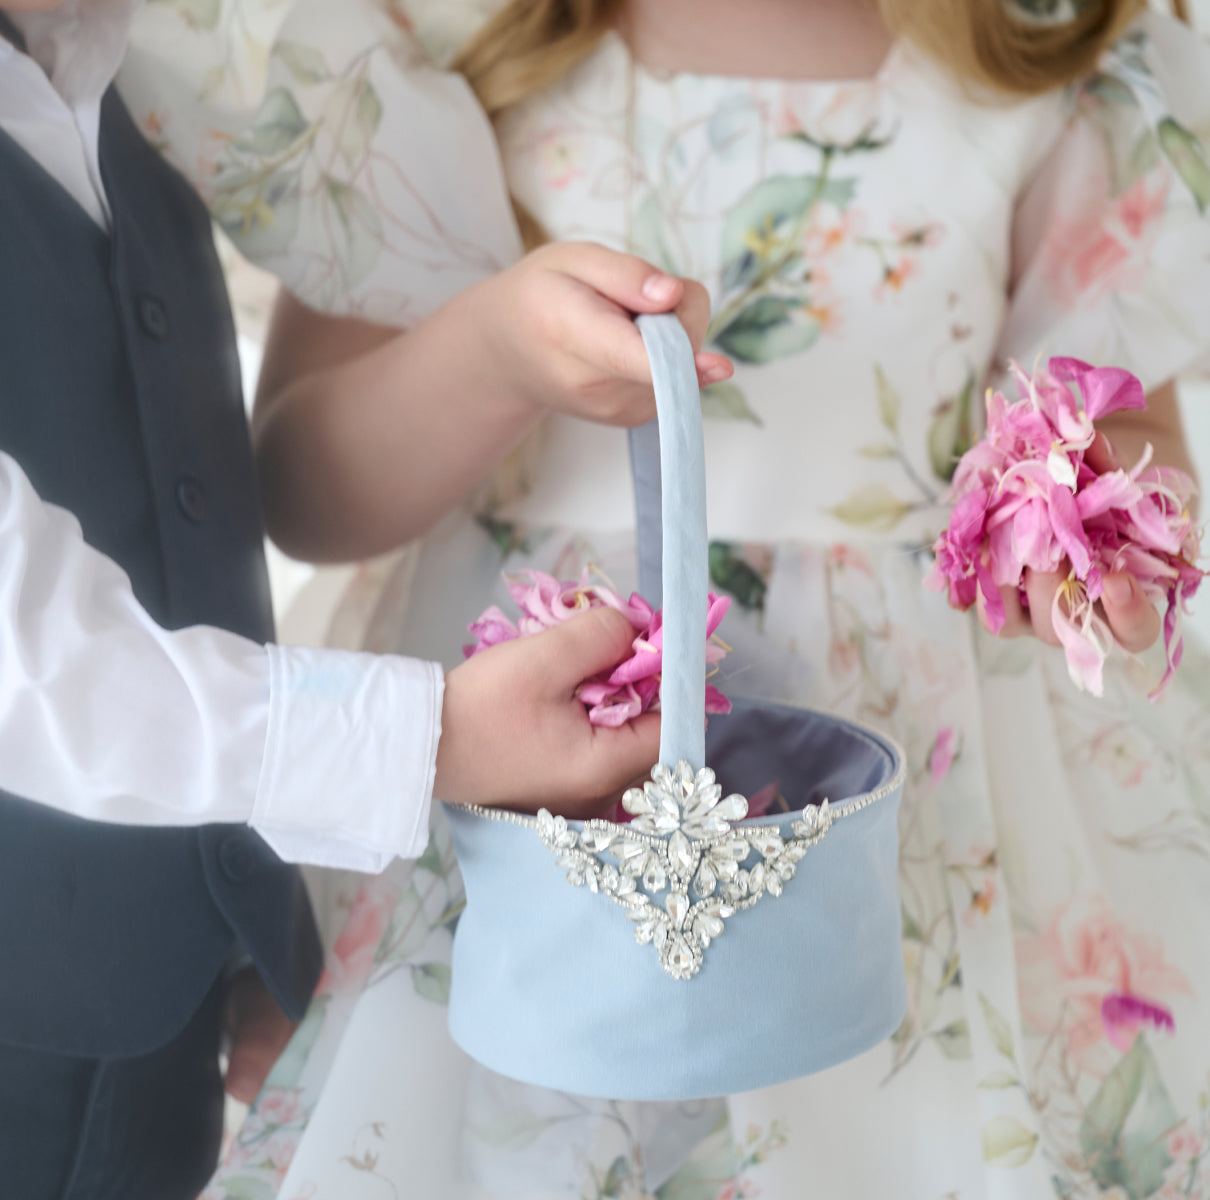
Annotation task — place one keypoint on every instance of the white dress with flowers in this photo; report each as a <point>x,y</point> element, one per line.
<point>875,251</point>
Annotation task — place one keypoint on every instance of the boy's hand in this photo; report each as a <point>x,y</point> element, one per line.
<point>258,1031</point>
<point>559,330</point>
<point>515,735</point>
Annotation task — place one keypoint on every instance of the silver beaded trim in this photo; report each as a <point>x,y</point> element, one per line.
<point>676,868</point>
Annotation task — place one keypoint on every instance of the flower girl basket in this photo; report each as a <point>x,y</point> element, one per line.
<point>690,953</point>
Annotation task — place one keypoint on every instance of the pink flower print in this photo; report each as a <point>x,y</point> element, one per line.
<point>1185,1144</point>
<point>942,755</point>
<point>981,902</point>
<point>278,1106</point>
<point>895,275</point>
<point>844,654</point>
<point>850,558</point>
<point>1108,250</point>
<point>739,1189</point>
<point>1117,750</point>
<point>840,116</point>
<point>827,317</point>
<point>1084,955</point>
<point>560,158</point>
<point>918,233</point>
<point>1124,1016</point>
<point>829,227</point>
<point>353,951</point>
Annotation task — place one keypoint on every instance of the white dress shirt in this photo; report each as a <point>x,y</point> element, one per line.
<point>328,754</point>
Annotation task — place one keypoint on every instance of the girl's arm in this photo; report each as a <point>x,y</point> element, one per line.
<point>365,436</point>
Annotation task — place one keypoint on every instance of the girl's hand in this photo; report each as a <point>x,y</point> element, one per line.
<point>514,734</point>
<point>559,329</point>
<point>1134,620</point>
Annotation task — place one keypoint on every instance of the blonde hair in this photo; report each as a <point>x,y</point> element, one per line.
<point>529,44</point>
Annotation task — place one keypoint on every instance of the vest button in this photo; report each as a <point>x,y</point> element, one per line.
<point>237,858</point>
<point>191,496</point>
<point>153,317</point>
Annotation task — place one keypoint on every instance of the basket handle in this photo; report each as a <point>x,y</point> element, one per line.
<point>668,465</point>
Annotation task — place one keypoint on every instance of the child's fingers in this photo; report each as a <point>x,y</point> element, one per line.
<point>625,279</point>
<point>713,368</point>
<point>1101,456</point>
<point>1135,621</point>
<point>627,754</point>
<point>593,641</point>
<point>1040,590</point>
<point>1016,622</point>
<point>694,312</point>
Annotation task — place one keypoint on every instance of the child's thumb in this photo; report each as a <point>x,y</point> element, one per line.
<point>630,282</point>
<point>592,642</point>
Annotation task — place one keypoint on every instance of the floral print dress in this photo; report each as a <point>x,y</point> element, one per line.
<point>876,252</point>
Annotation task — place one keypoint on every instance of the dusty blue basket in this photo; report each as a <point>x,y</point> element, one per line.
<point>691,953</point>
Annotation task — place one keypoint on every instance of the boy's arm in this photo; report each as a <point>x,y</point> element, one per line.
<point>104,714</point>
<point>332,756</point>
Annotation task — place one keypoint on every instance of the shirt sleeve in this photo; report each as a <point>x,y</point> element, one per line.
<point>329,754</point>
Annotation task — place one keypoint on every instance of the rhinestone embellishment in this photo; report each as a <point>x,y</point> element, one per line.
<point>678,869</point>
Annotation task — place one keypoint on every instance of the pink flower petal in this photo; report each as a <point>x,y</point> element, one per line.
<point>1105,389</point>
<point>760,802</point>
<point>1114,489</point>
<point>1085,637</point>
<point>1124,1015</point>
<point>1068,528</point>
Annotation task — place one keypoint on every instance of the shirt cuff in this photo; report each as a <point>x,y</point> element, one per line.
<point>351,750</point>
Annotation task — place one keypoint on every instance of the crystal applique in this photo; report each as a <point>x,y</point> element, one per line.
<point>677,868</point>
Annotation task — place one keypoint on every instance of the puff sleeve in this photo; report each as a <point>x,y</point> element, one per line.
<point>329,146</point>
<point>1111,239</point>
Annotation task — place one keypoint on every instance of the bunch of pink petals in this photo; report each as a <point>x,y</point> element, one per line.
<point>633,686</point>
<point>1026,498</point>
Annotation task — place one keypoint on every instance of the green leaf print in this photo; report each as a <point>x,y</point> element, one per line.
<point>1007,1143</point>
<point>1187,154</point>
<point>246,1187</point>
<point>508,537</point>
<point>259,211</point>
<point>430,860</point>
<point>432,981</point>
<point>998,1028</point>
<point>287,1071</point>
<point>727,402</point>
<point>197,14</point>
<point>305,63</point>
<point>878,450</point>
<point>768,328</point>
<point>357,231</point>
<point>731,574</point>
<point>279,126</point>
<point>873,506</point>
<point>1125,1127</point>
<point>761,224</point>
<point>998,1080</point>
<point>954,1039</point>
<point>358,128</point>
<point>950,434</point>
<point>888,401</point>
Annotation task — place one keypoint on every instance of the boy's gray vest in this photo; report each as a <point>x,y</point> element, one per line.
<point>120,397</point>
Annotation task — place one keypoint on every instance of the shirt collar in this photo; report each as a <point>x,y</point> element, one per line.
<point>79,45</point>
